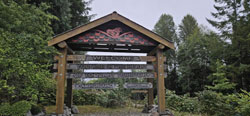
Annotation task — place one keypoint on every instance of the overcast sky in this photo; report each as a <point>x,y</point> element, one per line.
<point>147,12</point>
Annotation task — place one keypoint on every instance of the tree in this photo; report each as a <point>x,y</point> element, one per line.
<point>196,58</point>
<point>165,27</point>
<point>70,13</point>
<point>187,26</point>
<point>24,55</point>
<point>233,22</point>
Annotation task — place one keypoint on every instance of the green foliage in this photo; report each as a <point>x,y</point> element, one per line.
<point>24,55</point>
<point>214,103</point>
<point>69,13</point>
<point>220,82</point>
<point>81,98</point>
<point>187,27</point>
<point>232,19</point>
<point>35,109</point>
<point>166,28</point>
<point>181,103</point>
<point>17,109</point>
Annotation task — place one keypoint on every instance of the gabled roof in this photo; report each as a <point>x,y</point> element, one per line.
<point>113,16</point>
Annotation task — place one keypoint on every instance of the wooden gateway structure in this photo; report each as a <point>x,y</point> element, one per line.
<point>111,33</point>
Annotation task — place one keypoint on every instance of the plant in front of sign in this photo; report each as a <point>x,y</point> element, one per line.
<point>17,109</point>
<point>183,103</point>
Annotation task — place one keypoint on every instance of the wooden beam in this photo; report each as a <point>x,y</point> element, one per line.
<point>78,30</point>
<point>61,81</point>
<point>144,31</point>
<point>63,44</point>
<point>153,52</point>
<point>105,19</point>
<point>160,81</point>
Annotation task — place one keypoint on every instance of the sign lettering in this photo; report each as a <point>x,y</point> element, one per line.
<point>95,86</point>
<point>112,75</point>
<point>138,85</point>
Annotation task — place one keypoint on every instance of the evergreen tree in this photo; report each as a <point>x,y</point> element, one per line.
<point>233,22</point>
<point>187,26</point>
<point>165,27</point>
<point>70,13</point>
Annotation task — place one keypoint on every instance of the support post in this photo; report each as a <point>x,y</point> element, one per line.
<point>69,93</point>
<point>160,81</point>
<point>61,81</point>
<point>150,91</point>
<point>150,94</point>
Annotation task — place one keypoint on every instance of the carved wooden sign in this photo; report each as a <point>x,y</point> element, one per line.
<point>138,85</point>
<point>108,66</point>
<point>95,86</point>
<point>110,58</point>
<point>139,91</point>
<point>112,75</point>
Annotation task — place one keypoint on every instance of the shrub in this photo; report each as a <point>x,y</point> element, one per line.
<point>214,103</point>
<point>17,109</point>
<point>5,109</point>
<point>81,98</point>
<point>181,103</point>
<point>35,109</point>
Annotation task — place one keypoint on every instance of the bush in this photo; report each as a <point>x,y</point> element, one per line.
<point>35,109</point>
<point>214,103</point>
<point>181,103</point>
<point>17,109</point>
<point>81,98</point>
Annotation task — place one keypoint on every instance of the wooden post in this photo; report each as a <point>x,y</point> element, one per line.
<point>150,91</point>
<point>61,75</point>
<point>69,93</point>
<point>150,94</point>
<point>160,81</point>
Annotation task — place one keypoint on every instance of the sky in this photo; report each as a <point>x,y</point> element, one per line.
<point>147,12</point>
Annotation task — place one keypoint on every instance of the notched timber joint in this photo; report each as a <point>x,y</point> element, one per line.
<point>159,47</point>
<point>63,44</point>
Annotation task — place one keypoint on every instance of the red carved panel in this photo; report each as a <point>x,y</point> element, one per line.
<point>112,35</point>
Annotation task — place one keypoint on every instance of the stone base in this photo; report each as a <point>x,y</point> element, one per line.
<point>153,111</point>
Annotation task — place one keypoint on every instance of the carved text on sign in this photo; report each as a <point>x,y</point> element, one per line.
<point>108,58</point>
<point>110,66</point>
<point>95,86</point>
<point>111,75</point>
<point>138,85</point>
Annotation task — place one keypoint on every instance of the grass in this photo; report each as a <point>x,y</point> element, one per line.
<point>185,114</point>
<point>95,109</point>
<point>92,109</point>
